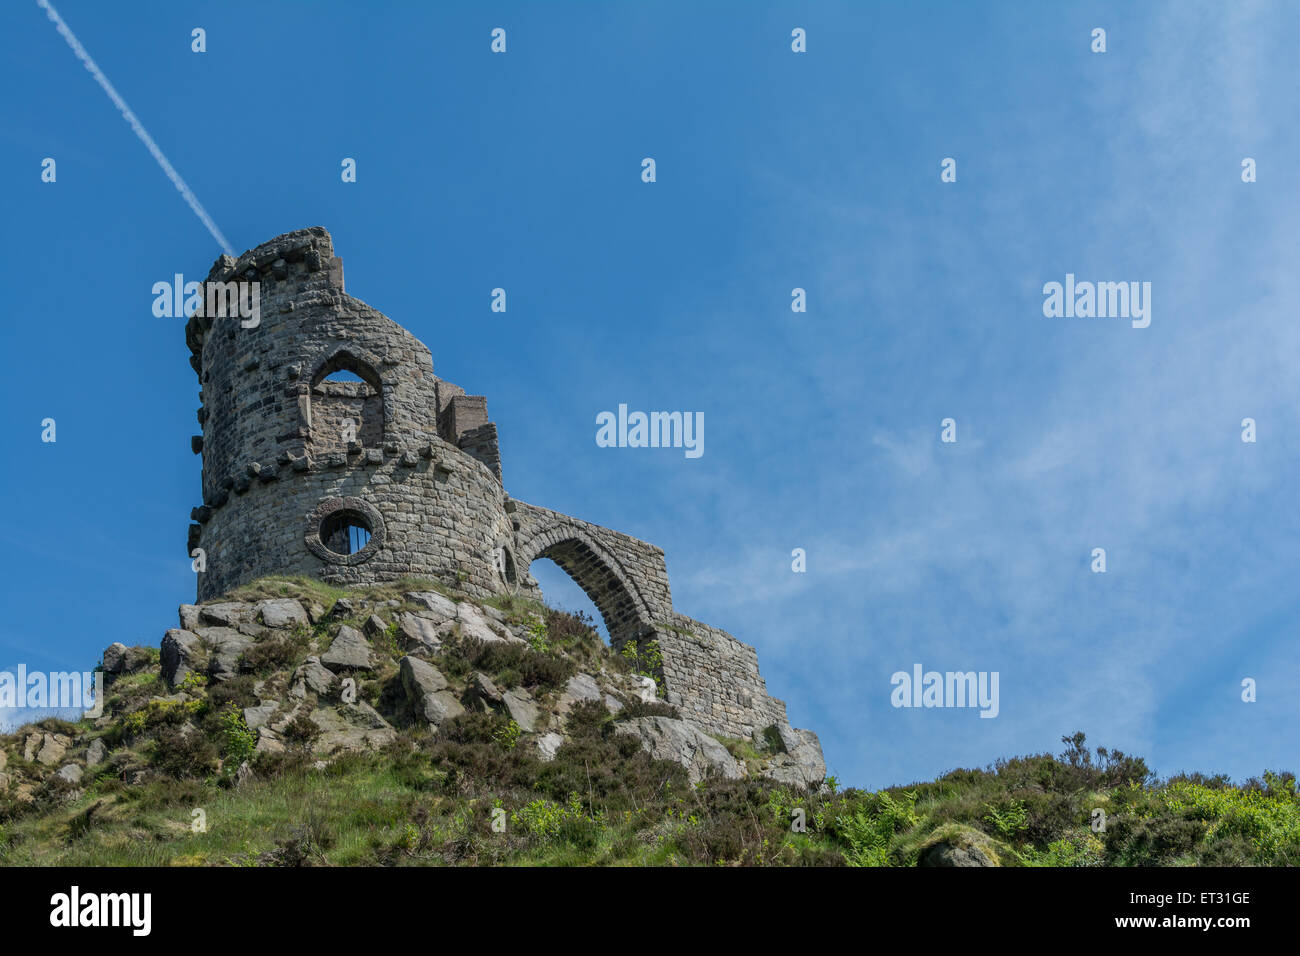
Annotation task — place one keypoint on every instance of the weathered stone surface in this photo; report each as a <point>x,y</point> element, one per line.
<point>257,716</point>
<point>426,691</point>
<point>268,741</point>
<point>226,614</point>
<point>182,652</point>
<point>579,688</point>
<point>349,650</point>
<point>114,658</point>
<point>519,705</point>
<point>53,748</point>
<point>226,646</point>
<point>482,687</point>
<point>189,616</point>
<point>95,753</point>
<point>420,633</point>
<point>350,727</point>
<point>945,854</point>
<point>548,744</point>
<point>312,676</point>
<point>646,689</point>
<point>440,608</point>
<point>4,759</point>
<point>473,624</point>
<point>69,772</point>
<point>375,626</point>
<point>613,704</point>
<point>667,739</point>
<point>281,612</point>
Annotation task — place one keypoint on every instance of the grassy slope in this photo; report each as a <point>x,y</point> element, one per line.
<point>427,800</point>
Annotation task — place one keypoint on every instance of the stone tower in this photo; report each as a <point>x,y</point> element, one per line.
<point>394,472</point>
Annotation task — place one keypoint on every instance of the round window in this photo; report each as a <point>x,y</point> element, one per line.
<point>345,531</point>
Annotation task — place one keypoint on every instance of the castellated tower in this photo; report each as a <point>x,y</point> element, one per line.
<point>394,472</point>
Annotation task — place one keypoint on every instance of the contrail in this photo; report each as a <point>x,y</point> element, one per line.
<point>140,131</point>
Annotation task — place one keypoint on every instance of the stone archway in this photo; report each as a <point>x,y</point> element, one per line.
<point>598,573</point>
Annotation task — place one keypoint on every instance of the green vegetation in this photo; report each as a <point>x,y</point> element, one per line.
<point>429,798</point>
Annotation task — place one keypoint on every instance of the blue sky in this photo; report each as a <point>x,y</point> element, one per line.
<point>775,170</point>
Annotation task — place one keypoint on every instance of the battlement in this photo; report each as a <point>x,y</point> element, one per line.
<point>391,472</point>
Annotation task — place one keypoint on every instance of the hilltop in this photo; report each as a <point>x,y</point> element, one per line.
<point>292,723</point>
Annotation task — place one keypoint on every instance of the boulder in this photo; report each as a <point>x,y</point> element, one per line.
<point>69,772</point>
<point>548,744</point>
<point>350,727</point>
<point>225,614</point>
<point>426,691</point>
<point>375,626</point>
<point>312,676</point>
<point>258,716</point>
<point>958,845</point>
<point>579,688</point>
<point>519,705</point>
<point>189,616</point>
<point>53,748</point>
<point>474,624</point>
<point>95,753</point>
<point>349,650</point>
<point>420,633</point>
<point>440,608</point>
<point>482,687</point>
<point>281,612</point>
<point>667,739</point>
<point>647,690</point>
<point>227,646</point>
<point>114,658</point>
<point>182,652</point>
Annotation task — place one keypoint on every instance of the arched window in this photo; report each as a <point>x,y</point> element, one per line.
<point>347,405</point>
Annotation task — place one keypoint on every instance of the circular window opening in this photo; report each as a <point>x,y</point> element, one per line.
<point>345,532</point>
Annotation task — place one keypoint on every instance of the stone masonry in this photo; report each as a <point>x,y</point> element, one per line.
<point>395,473</point>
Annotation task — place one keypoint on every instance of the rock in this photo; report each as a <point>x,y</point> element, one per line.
<point>417,632</point>
<point>95,753</point>
<point>53,749</point>
<point>257,716</point>
<point>647,690</point>
<point>244,774</point>
<point>348,650</point>
<point>520,706</point>
<point>226,614</point>
<point>945,854</point>
<point>579,688</point>
<point>268,742</point>
<point>315,614</point>
<point>481,686</point>
<point>312,676</point>
<point>426,691</point>
<point>613,704</point>
<point>343,607</point>
<point>69,772</point>
<point>350,727</point>
<point>548,744</point>
<point>496,615</point>
<point>189,616</point>
<point>114,658</point>
<point>420,677</point>
<point>4,759</point>
<point>474,625</point>
<point>227,646</point>
<point>4,783</point>
<point>31,745</point>
<point>375,626</point>
<point>440,608</point>
<point>282,612</point>
<point>667,739</point>
<point>182,652</point>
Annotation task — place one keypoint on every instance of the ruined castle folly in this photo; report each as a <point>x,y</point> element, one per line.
<point>395,472</point>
